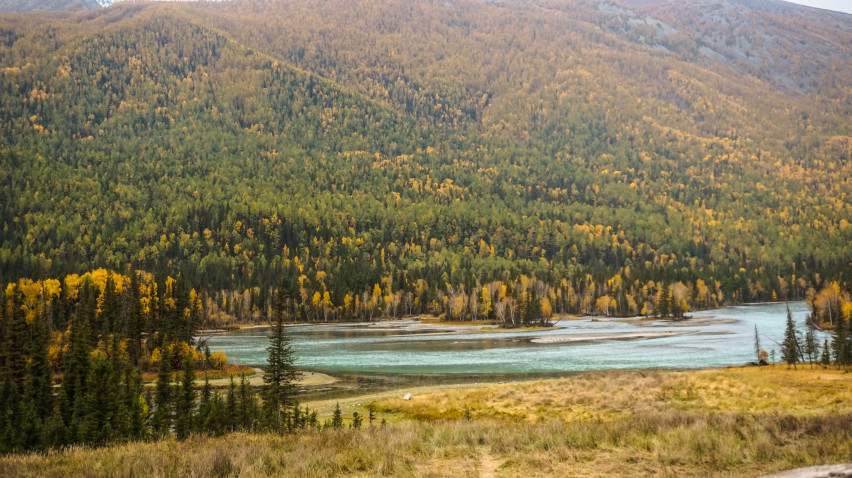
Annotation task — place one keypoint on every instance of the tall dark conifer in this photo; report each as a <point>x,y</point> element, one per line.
<point>39,374</point>
<point>76,370</point>
<point>98,422</point>
<point>279,376</point>
<point>161,421</point>
<point>110,307</point>
<point>185,402</point>
<point>790,345</point>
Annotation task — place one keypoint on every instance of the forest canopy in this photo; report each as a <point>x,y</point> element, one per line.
<point>473,160</point>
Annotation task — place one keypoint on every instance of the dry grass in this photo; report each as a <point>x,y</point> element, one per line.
<point>732,422</point>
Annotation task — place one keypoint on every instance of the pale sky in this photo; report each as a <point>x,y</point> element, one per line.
<point>836,5</point>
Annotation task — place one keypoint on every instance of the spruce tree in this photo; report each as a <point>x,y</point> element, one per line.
<point>53,432</point>
<point>811,347</point>
<point>790,344</point>
<point>247,408</point>
<point>76,370</point>
<point>39,387</point>
<point>161,421</point>
<point>231,414</point>
<point>279,375</point>
<point>137,408</point>
<point>185,403</point>
<point>109,307</point>
<point>205,406</point>
<point>825,360</point>
<point>337,417</point>
<point>10,421</point>
<point>98,420</point>
<point>840,343</point>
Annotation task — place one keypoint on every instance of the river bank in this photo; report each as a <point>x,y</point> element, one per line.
<point>743,421</point>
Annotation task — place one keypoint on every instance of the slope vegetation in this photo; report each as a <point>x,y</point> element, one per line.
<point>461,158</point>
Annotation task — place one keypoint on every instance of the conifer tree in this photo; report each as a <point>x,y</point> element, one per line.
<point>825,359</point>
<point>39,376</point>
<point>53,432</point>
<point>205,405</point>
<point>109,308</point>
<point>790,344</point>
<point>840,343</point>
<point>231,413</point>
<point>161,421</point>
<point>135,404</point>
<point>76,370</point>
<point>337,417</point>
<point>811,347</point>
<point>135,320</point>
<point>247,407</point>
<point>185,403</point>
<point>99,412</point>
<point>279,375</point>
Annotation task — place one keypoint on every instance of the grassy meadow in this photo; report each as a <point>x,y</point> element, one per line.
<point>727,422</point>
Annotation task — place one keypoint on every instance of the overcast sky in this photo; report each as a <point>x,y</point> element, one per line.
<point>836,5</point>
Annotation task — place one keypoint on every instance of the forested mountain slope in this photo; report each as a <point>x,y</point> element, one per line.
<point>466,158</point>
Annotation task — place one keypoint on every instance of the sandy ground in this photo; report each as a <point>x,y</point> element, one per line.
<point>560,339</point>
<point>305,379</point>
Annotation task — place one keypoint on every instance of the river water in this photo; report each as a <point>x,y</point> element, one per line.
<point>709,339</point>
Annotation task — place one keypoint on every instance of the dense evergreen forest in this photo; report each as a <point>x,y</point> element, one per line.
<point>500,161</point>
<point>96,335</point>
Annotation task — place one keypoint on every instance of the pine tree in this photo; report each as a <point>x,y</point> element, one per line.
<point>205,406</point>
<point>109,308</point>
<point>184,405</point>
<point>98,420</point>
<point>138,412</point>
<point>54,427</point>
<point>790,344</point>
<point>337,418</point>
<point>161,421</point>
<point>279,375</point>
<point>10,420</point>
<point>825,360</point>
<point>39,387</point>
<point>811,347</point>
<point>231,413</point>
<point>18,344</point>
<point>76,370</point>
<point>216,419</point>
<point>840,343</point>
<point>135,320</point>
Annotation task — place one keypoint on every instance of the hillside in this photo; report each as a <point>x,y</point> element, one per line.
<point>448,157</point>
<point>46,5</point>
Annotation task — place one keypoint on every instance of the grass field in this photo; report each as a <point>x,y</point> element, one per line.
<point>729,422</point>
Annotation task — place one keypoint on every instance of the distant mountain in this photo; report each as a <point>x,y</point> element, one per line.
<point>395,148</point>
<point>35,5</point>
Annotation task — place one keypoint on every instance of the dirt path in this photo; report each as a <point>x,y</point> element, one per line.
<point>488,463</point>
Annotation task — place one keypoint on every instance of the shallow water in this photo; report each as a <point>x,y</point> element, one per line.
<point>404,347</point>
